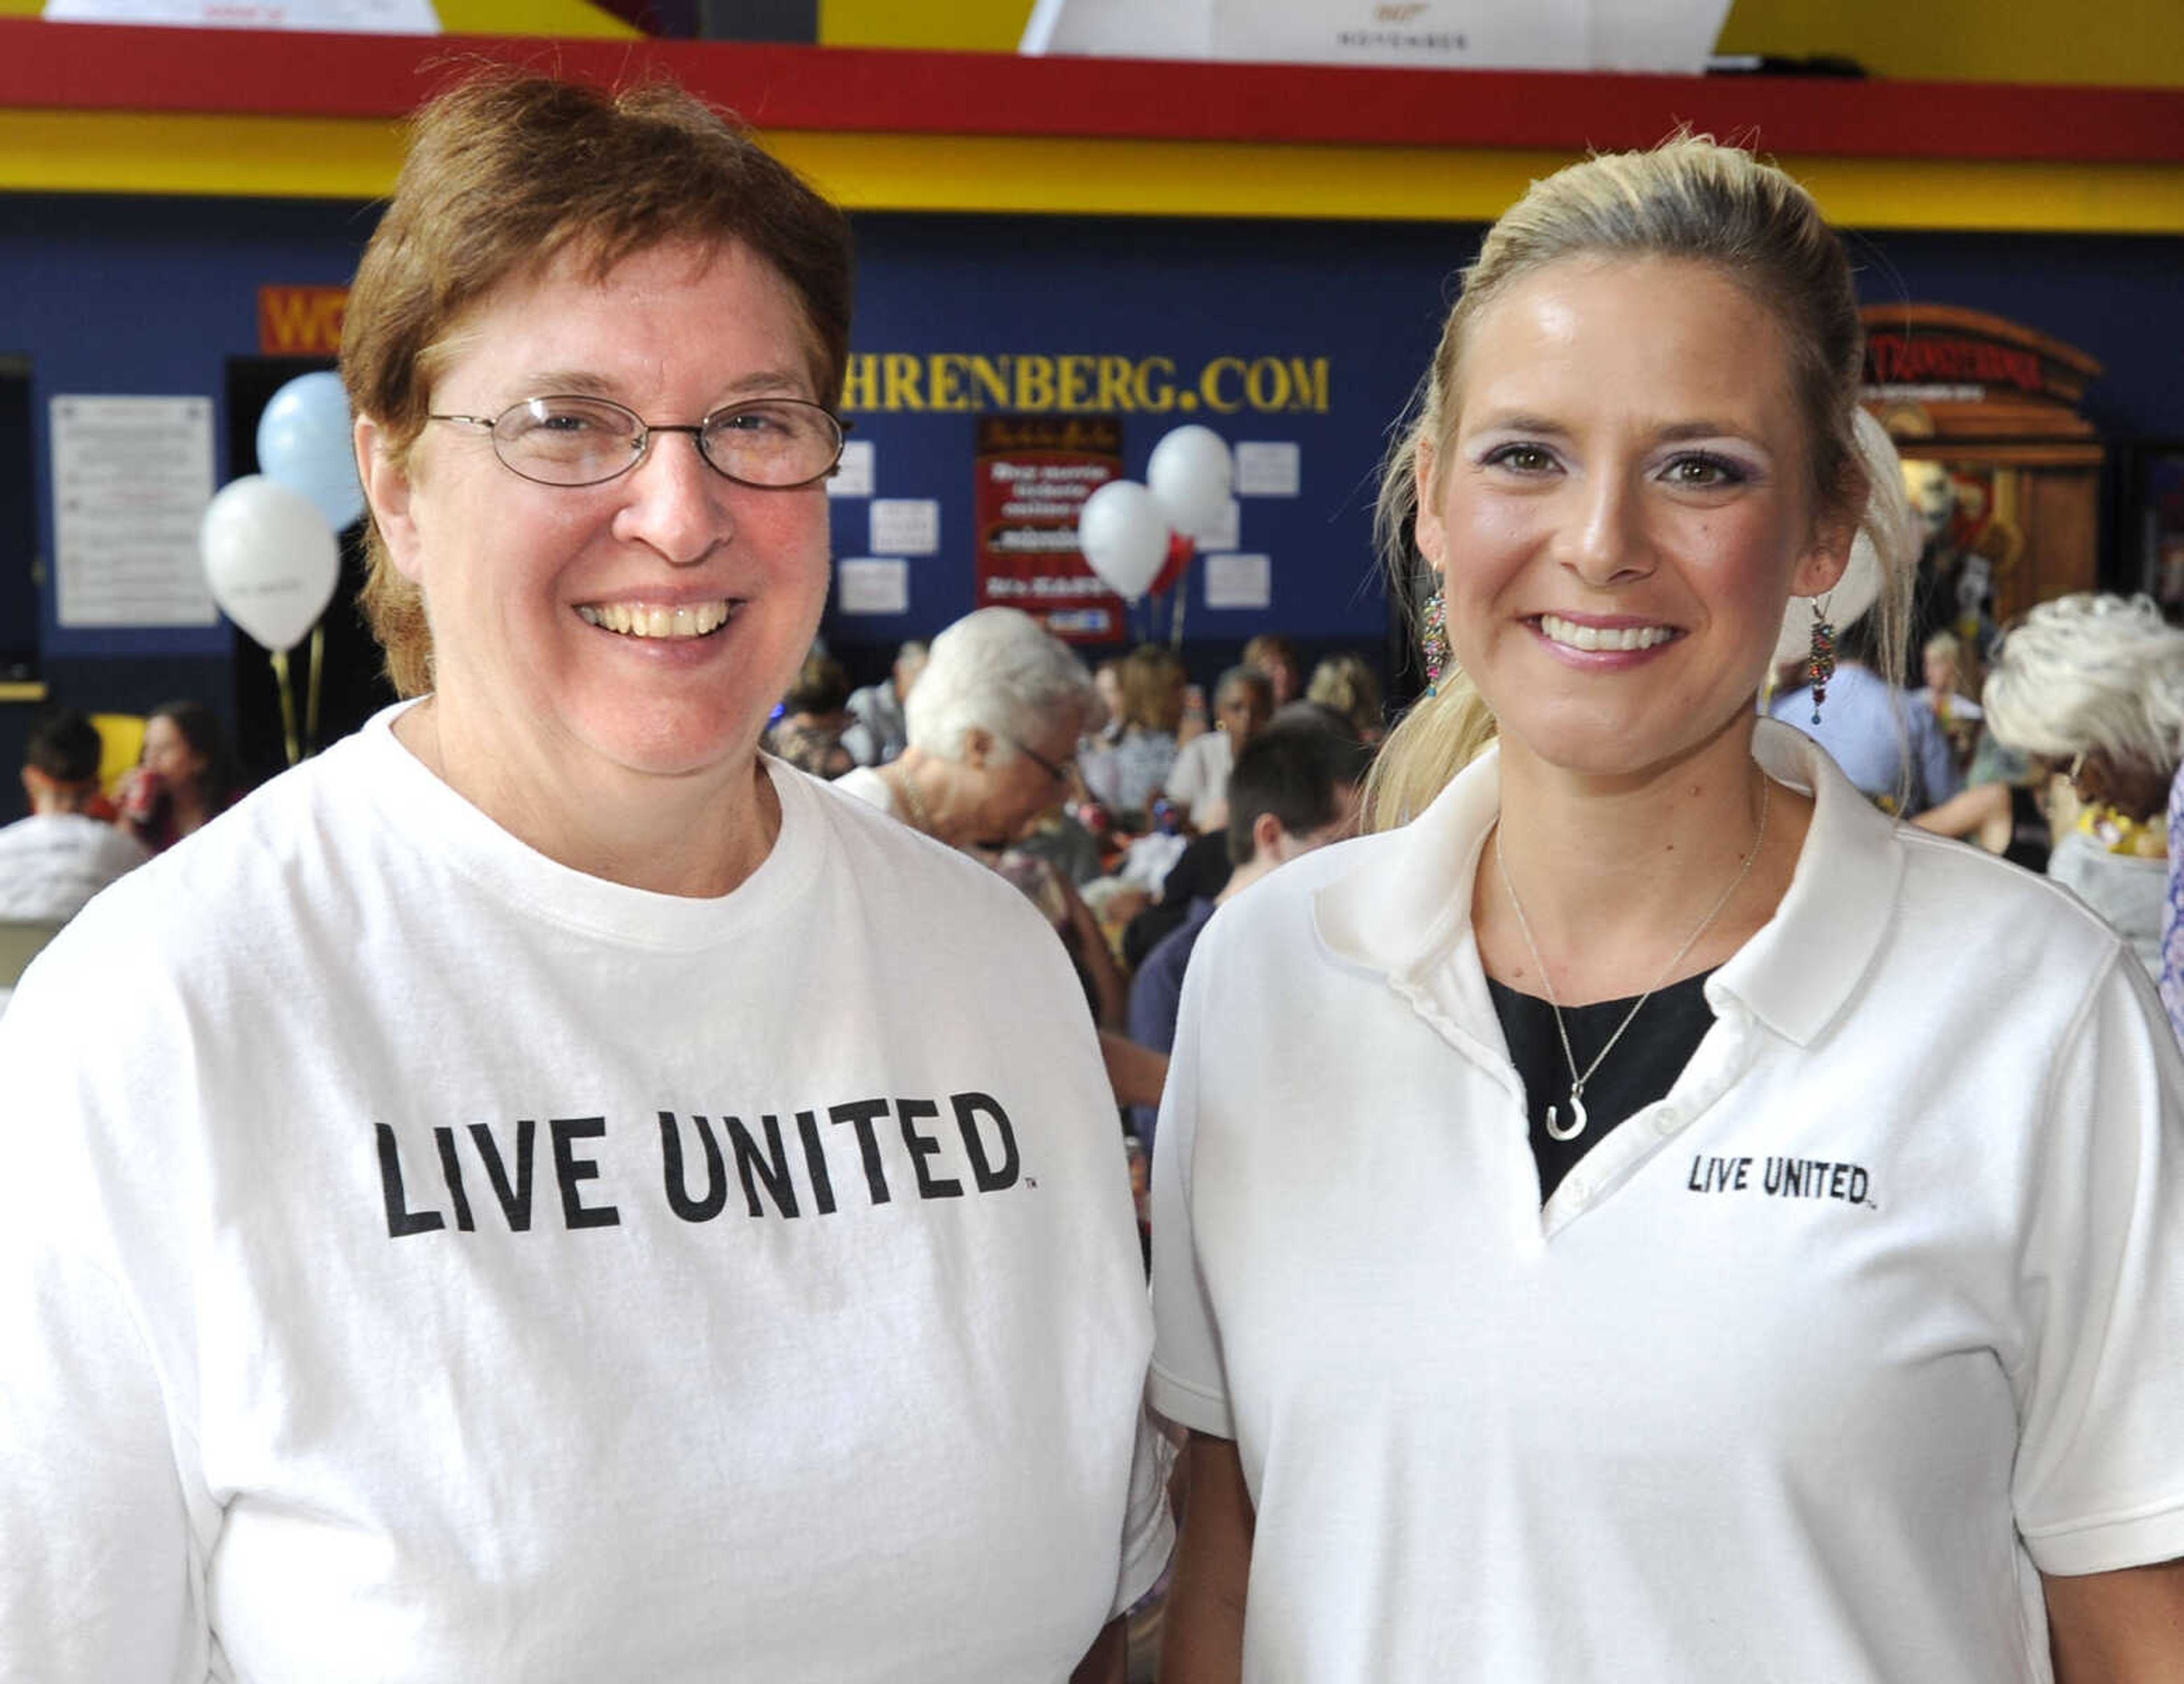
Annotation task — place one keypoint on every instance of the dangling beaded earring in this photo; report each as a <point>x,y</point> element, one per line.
<point>1821,665</point>
<point>1433,639</point>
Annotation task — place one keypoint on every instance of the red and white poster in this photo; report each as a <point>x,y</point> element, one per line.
<point>1034,473</point>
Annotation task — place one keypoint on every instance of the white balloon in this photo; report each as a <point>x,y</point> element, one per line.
<point>1122,531</point>
<point>270,558</point>
<point>1192,472</point>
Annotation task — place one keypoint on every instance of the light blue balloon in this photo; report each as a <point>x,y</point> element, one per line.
<point>304,444</point>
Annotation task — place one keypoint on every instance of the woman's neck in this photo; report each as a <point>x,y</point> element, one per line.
<point>934,797</point>
<point>1614,876</point>
<point>696,837</point>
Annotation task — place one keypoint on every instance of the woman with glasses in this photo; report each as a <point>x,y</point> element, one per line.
<point>994,726</point>
<point>459,1248</point>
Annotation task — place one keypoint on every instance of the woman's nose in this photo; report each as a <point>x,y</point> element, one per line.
<point>674,503</point>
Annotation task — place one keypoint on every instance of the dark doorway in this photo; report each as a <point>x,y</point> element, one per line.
<point>19,525</point>
<point>352,687</point>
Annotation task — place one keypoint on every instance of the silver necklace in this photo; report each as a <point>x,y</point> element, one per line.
<point>1555,1129</point>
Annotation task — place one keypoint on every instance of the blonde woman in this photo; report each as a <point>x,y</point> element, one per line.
<point>1645,1219</point>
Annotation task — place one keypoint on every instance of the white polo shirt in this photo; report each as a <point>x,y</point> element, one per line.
<point>1804,1371</point>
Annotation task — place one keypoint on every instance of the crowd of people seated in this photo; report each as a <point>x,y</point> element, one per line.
<point>79,836</point>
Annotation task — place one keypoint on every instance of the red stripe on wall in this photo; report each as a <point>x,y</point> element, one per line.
<point>239,72</point>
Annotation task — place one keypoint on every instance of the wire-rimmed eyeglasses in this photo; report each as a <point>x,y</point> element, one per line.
<point>776,443</point>
<point>1059,773</point>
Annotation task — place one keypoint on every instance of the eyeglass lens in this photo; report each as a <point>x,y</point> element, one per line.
<point>582,441</point>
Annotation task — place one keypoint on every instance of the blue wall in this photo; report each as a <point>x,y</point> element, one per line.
<point>121,295</point>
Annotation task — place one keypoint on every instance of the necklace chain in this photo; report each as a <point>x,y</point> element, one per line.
<point>1576,1125</point>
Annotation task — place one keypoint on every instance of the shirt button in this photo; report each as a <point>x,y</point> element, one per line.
<point>1580,1189</point>
<point>1668,1121</point>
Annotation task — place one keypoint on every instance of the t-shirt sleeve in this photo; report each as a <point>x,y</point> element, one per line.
<point>98,1579</point>
<point>2099,1479</point>
<point>1189,1384</point>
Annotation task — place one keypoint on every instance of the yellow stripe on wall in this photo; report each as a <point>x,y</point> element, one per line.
<point>127,152</point>
<point>325,157</point>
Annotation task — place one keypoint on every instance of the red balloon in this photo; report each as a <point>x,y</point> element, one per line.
<point>1180,549</point>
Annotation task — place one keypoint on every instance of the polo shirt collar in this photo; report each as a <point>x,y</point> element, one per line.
<point>1405,910</point>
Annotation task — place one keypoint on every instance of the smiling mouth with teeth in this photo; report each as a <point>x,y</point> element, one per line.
<point>1571,635</point>
<point>644,620</point>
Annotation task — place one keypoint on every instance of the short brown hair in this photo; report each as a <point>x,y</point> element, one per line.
<point>509,170</point>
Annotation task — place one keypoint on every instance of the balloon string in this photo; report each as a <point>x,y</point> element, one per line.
<point>287,705</point>
<point>1181,590</point>
<point>311,688</point>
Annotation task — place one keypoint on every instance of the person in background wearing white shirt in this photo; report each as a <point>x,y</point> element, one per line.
<point>1645,1215</point>
<point>53,862</point>
<point>2093,688</point>
<point>879,730</point>
<point>1243,703</point>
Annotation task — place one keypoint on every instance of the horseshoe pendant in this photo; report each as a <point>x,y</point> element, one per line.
<point>1578,1119</point>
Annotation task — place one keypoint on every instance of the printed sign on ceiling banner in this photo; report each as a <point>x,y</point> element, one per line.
<point>1670,36</point>
<point>1033,474</point>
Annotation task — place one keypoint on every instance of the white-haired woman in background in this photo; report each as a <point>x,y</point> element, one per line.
<point>2094,686</point>
<point>994,723</point>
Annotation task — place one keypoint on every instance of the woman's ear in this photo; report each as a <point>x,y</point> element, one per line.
<point>387,488</point>
<point>978,747</point>
<point>1822,566</point>
<point>1430,535</point>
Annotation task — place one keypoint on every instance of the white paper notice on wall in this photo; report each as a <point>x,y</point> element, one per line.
<point>871,584</point>
<point>349,17</point>
<point>1225,531</point>
<point>905,526</point>
<point>1240,581</point>
<point>1269,469</point>
<point>131,478</point>
<point>854,478</point>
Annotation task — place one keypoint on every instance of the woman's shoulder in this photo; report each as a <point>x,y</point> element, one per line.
<point>1281,914</point>
<point>1981,903</point>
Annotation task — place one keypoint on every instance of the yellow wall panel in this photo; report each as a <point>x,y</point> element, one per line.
<point>2118,42</point>
<point>955,25</point>
<point>95,152</point>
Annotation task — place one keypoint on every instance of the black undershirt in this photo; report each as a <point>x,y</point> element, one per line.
<point>1642,1068</point>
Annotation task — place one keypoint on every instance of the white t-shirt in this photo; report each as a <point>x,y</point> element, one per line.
<point>1800,1374</point>
<point>51,863</point>
<point>1200,776</point>
<point>430,1261</point>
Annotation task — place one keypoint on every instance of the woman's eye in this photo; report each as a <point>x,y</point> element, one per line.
<point>1525,459</point>
<point>1703,472</point>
